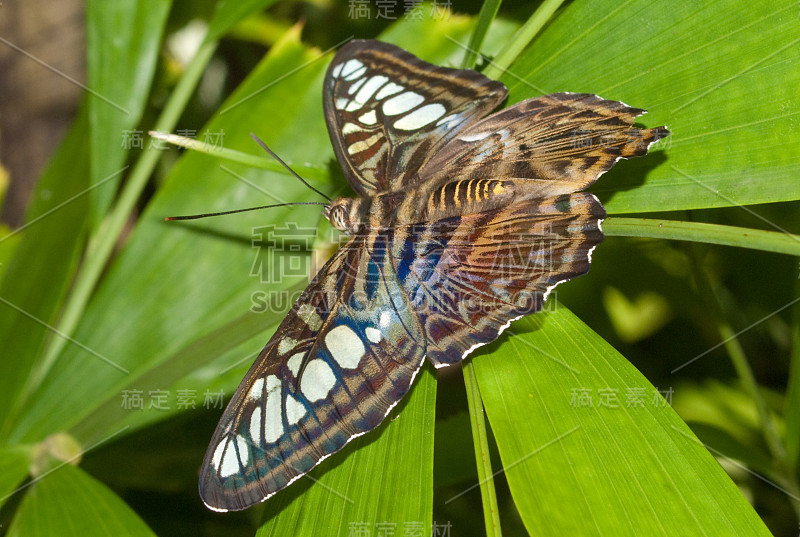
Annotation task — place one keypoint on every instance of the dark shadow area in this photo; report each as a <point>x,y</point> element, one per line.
<point>156,471</point>
<point>627,175</point>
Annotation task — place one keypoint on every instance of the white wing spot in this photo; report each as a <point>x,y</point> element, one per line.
<point>402,103</point>
<point>389,89</point>
<point>349,128</point>
<point>295,410</point>
<point>370,88</point>
<point>370,118</point>
<point>475,137</point>
<point>217,457</point>
<point>230,462</point>
<point>317,380</point>
<point>286,345</point>
<point>255,425</point>
<point>337,71</point>
<point>345,346</point>
<point>354,75</point>
<point>354,87</point>
<point>295,362</point>
<point>353,106</point>
<point>386,318</point>
<point>358,147</point>
<point>273,384</point>
<point>373,334</point>
<point>420,117</point>
<point>310,316</point>
<point>447,119</point>
<point>341,102</point>
<point>273,424</point>
<point>257,389</point>
<point>350,66</point>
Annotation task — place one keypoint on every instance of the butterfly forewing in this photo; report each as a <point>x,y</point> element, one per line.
<point>389,112</point>
<point>343,357</point>
<point>561,141</point>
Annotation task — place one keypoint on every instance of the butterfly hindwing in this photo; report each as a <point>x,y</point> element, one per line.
<point>470,276</point>
<point>388,112</point>
<point>343,357</point>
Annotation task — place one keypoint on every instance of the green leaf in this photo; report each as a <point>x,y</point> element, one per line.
<point>8,246</point>
<point>105,238</point>
<point>622,464</point>
<point>229,12</point>
<point>728,447</point>
<point>45,259</point>
<point>197,276</point>
<point>726,418</point>
<point>14,465</point>
<point>69,502</point>
<point>230,155</point>
<point>729,144</point>
<point>123,41</point>
<point>187,370</point>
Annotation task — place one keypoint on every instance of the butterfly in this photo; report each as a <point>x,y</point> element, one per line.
<point>464,222</point>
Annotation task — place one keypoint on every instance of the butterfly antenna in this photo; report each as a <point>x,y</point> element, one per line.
<point>276,157</point>
<point>205,215</point>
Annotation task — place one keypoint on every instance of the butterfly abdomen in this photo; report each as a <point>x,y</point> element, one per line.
<point>468,196</point>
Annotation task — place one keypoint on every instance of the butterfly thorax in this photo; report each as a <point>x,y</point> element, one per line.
<point>352,215</point>
<point>421,204</point>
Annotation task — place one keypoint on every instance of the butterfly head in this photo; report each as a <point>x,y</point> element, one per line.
<point>345,214</point>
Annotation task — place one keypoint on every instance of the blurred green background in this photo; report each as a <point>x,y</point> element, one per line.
<point>658,395</point>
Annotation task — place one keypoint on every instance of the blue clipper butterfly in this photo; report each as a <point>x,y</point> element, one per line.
<point>464,222</point>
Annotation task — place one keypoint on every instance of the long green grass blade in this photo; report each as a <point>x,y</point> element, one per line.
<point>263,162</point>
<point>769,241</point>
<point>171,284</point>
<point>522,38</point>
<point>485,18</point>
<point>491,513</point>
<point>228,13</point>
